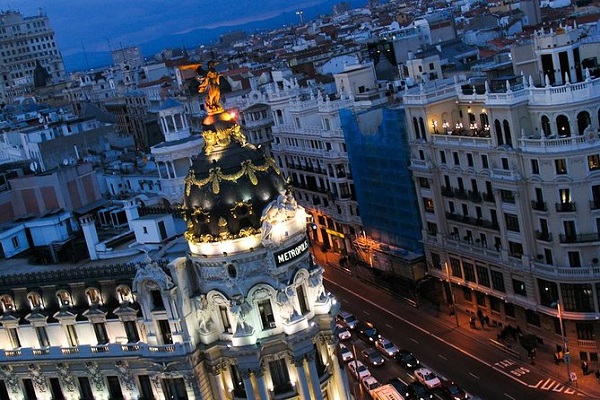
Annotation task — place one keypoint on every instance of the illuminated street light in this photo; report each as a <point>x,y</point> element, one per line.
<point>451,293</point>
<point>566,355</point>
<point>301,15</point>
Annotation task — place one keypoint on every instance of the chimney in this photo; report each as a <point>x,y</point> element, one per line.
<point>91,235</point>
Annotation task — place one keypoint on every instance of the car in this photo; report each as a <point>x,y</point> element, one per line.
<point>358,369</point>
<point>367,332</point>
<point>417,391</point>
<point>346,319</point>
<point>370,383</point>
<point>400,386</point>
<point>451,391</point>
<point>407,359</point>
<point>386,347</point>
<point>427,378</point>
<point>342,332</point>
<point>346,353</point>
<point>372,357</point>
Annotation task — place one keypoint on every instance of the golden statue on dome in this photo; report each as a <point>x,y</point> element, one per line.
<point>209,82</point>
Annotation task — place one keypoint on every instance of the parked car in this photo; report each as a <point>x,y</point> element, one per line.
<point>427,378</point>
<point>407,359</point>
<point>417,391</point>
<point>346,353</point>
<point>386,347</point>
<point>451,391</point>
<point>342,332</point>
<point>372,357</point>
<point>367,332</point>
<point>400,386</point>
<point>370,383</point>
<point>346,319</point>
<point>358,369</point>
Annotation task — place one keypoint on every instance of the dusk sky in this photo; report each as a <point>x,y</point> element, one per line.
<point>100,24</point>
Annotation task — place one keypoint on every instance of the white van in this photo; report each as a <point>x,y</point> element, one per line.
<point>347,320</point>
<point>386,392</point>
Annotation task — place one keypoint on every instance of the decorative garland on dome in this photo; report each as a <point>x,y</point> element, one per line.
<point>215,176</point>
<point>222,138</point>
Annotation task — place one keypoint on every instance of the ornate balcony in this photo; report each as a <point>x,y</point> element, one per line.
<point>565,207</point>
<point>544,236</point>
<point>580,238</point>
<point>539,205</point>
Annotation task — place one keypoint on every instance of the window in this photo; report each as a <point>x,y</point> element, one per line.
<point>114,388</point>
<point>519,287</point>
<point>515,249</point>
<point>436,261</point>
<point>505,165</point>
<point>85,389</point>
<point>484,161</point>
<point>455,267</point>
<point>124,293</point>
<point>72,335</point>
<point>56,390</point>
<point>467,294</point>
<point>483,278</point>
<point>100,331</point>
<point>469,159</point>
<point>480,298</point>
<point>42,336</point>
<point>35,300</point>
<point>535,167</point>
<point>280,376</point>
<point>428,204</point>
<point>532,318</point>
<point>585,331</point>
<point>64,298</point>
<point>456,158</point>
<point>145,387</point>
<point>302,300</point>
<point>509,310</point>
<point>594,162</point>
<point>512,222</point>
<point>7,303</point>
<point>507,196</point>
<point>469,272</point>
<point>577,297</point>
<point>157,300</point>
<point>266,314</point>
<point>29,389</point>
<point>15,242</point>
<point>574,259</point>
<point>442,157</point>
<point>131,331</point>
<point>494,303</point>
<point>424,183</point>
<point>560,166</point>
<point>431,228</point>
<point>225,319</point>
<point>497,280</point>
<point>93,296</point>
<point>13,336</point>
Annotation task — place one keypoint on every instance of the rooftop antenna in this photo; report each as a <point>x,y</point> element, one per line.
<point>87,63</point>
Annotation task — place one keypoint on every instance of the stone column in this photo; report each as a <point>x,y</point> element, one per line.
<point>216,378</point>
<point>247,377</point>
<point>260,381</point>
<point>303,382</point>
<point>314,376</point>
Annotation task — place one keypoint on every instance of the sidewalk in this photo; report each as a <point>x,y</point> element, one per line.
<point>544,361</point>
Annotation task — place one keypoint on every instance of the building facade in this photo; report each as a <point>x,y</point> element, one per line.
<point>507,177</point>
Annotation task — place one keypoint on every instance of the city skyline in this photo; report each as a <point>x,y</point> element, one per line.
<point>86,42</point>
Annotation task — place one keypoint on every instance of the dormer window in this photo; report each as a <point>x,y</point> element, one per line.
<point>64,298</point>
<point>7,303</point>
<point>35,300</point>
<point>93,296</point>
<point>124,293</point>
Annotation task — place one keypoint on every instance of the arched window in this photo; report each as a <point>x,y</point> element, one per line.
<point>507,136</point>
<point>7,303</point>
<point>93,296</point>
<point>498,131</point>
<point>583,121</point>
<point>416,127</point>
<point>64,298</point>
<point>35,300</point>
<point>422,127</point>
<point>124,294</point>
<point>562,125</point>
<point>546,128</point>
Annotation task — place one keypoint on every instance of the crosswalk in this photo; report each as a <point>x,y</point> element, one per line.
<point>550,384</point>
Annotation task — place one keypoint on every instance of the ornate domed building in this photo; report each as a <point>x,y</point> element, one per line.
<point>234,309</point>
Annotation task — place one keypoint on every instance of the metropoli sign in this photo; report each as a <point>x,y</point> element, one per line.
<point>291,253</point>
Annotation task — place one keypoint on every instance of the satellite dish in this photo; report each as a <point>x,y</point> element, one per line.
<point>65,162</point>
<point>33,166</point>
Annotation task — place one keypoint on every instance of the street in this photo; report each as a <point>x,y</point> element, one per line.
<point>482,370</point>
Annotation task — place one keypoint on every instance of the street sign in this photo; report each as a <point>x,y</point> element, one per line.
<point>573,377</point>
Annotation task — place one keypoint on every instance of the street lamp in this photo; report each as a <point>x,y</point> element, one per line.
<point>300,14</point>
<point>451,293</point>
<point>566,355</point>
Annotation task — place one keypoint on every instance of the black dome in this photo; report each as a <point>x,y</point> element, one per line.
<point>227,188</point>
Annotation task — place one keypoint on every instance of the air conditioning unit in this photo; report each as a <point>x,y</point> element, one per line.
<point>272,325</point>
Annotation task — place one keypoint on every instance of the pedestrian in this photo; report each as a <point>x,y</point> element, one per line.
<point>472,322</point>
<point>584,367</point>
<point>598,374</point>
<point>487,320</point>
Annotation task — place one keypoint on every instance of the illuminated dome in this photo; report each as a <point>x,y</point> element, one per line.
<point>228,186</point>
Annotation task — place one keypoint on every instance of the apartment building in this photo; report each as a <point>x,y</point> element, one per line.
<point>506,172</point>
<point>25,41</point>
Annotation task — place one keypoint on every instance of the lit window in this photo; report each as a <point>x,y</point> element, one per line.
<point>7,303</point>
<point>594,162</point>
<point>35,300</point>
<point>64,298</point>
<point>93,296</point>
<point>125,295</point>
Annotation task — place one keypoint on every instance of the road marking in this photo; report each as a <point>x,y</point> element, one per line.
<point>474,376</point>
<point>366,312</point>
<point>389,326</point>
<point>345,301</point>
<point>509,396</point>
<point>414,340</point>
<point>442,357</point>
